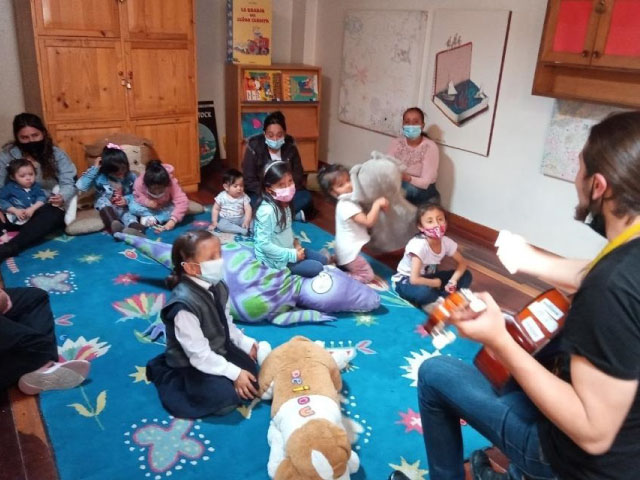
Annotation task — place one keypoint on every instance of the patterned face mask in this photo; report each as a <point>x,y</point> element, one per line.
<point>434,232</point>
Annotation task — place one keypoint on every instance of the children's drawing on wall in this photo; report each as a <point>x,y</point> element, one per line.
<point>568,132</point>
<point>464,71</point>
<point>382,57</point>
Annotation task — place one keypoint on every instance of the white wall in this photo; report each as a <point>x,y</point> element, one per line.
<point>10,80</point>
<point>504,190</point>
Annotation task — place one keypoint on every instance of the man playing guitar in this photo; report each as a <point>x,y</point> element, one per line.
<point>583,423</point>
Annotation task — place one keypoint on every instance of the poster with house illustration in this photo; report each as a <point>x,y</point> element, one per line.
<point>466,54</point>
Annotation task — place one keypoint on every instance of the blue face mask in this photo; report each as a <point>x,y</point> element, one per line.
<point>412,131</point>
<point>274,144</point>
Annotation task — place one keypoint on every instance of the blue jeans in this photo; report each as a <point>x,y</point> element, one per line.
<point>448,390</point>
<point>232,225</point>
<point>422,295</point>
<point>311,266</point>
<point>420,196</point>
<point>162,214</point>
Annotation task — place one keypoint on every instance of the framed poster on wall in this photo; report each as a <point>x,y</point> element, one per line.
<point>464,69</point>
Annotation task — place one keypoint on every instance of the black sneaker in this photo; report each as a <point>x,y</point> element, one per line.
<point>481,468</point>
<point>398,475</point>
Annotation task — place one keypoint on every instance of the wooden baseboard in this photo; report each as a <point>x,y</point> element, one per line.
<point>475,232</point>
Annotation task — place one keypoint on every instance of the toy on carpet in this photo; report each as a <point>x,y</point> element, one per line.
<point>307,433</point>
<point>259,293</point>
<point>381,176</point>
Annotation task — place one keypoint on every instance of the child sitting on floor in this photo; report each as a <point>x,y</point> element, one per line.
<point>418,279</point>
<point>157,197</point>
<point>351,221</point>
<point>231,212</point>
<point>21,196</point>
<point>112,180</point>
<point>275,245</point>
<point>209,365</point>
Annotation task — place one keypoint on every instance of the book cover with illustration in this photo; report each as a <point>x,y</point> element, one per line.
<point>252,123</point>
<point>249,31</point>
<point>300,87</point>
<point>455,93</point>
<point>262,85</point>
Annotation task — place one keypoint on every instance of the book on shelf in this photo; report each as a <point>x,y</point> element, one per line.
<point>300,87</point>
<point>454,93</point>
<point>252,123</point>
<point>249,31</point>
<point>262,85</point>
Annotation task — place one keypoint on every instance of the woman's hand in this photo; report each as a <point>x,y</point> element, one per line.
<point>488,327</point>
<point>56,200</point>
<point>300,254</point>
<point>97,162</point>
<point>406,177</point>
<point>244,385</point>
<point>451,286</point>
<point>21,213</point>
<point>119,201</point>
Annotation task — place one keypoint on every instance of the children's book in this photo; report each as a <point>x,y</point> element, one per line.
<point>455,94</point>
<point>300,87</point>
<point>262,85</point>
<point>252,123</point>
<point>249,32</point>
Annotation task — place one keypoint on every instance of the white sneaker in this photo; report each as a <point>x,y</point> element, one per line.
<point>54,376</point>
<point>148,221</point>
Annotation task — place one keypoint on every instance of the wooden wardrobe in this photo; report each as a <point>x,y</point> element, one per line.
<point>95,67</point>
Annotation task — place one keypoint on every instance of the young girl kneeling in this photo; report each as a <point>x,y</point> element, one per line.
<point>275,245</point>
<point>113,181</point>
<point>157,197</point>
<point>209,366</point>
<point>418,279</point>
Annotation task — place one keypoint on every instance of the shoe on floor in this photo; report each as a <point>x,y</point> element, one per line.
<point>481,468</point>
<point>300,217</point>
<point>135,228</point>
<point>398,475</point>
<point>54,376</point>
<point>148,221</point>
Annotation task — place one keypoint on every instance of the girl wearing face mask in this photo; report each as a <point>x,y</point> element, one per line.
<point>420,157</point>
<point>418,279</point>
<point>275,244</point>
<point>209,365</point>
<point>53,167</point>
<point>274,144</point>
<point>157,197</point>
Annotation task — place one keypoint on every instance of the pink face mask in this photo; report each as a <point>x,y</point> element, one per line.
<point>434,232</point>
<point>285,194</point>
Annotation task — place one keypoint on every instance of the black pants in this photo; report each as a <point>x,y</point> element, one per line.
<point>27,337</point>
<point>45,220</point>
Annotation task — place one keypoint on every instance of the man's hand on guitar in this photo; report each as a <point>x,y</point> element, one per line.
<point>486,327</point>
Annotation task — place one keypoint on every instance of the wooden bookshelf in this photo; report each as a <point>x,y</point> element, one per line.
<point>302,116</point>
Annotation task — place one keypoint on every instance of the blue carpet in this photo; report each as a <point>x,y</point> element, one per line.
<point>105,295</point>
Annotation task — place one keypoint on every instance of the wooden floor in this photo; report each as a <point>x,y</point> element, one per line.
<point>24,449</point>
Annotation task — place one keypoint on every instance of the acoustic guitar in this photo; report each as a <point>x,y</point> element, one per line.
<point>532,328</point>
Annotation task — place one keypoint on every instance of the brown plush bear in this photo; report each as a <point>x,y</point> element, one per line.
<point>306,434</point>
<point>139,151</point>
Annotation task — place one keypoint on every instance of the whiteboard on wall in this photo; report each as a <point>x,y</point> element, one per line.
<point>568,132</point>
<point>381,67</point>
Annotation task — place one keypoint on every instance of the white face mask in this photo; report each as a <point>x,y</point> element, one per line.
<point>212,271</point>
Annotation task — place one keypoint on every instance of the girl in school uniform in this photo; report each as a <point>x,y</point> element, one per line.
<point>275,245</point>
<point>420,157</point>
<point>209,366</point>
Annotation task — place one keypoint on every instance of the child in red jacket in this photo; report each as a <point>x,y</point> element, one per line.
<point>157,197</point>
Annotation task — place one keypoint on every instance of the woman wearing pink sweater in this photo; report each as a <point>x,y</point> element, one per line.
<point>157,197</point>
<point>420,157</point>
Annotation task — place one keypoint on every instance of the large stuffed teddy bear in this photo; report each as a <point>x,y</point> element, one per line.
<point>139,151</point>
<point>381,176</point>
<point>306,434</point>
<point>259,293</point>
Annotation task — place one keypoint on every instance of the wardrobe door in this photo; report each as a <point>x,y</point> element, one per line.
<point>160,19</point>
<point>82,79</point>
<point>84,18</point>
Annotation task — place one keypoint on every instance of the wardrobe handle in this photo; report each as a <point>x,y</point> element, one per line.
<point>585,53</point>
<point>595,54</point>
<point>601,7</point>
